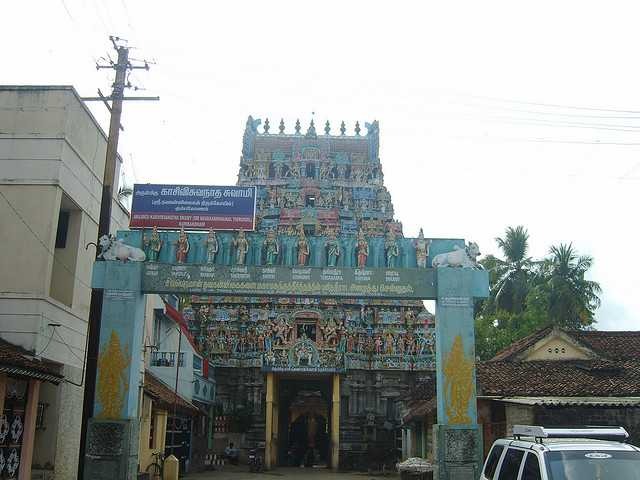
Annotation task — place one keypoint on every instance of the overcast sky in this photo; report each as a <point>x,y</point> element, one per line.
<point>491,113</point>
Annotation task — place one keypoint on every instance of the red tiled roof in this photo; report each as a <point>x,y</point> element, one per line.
<point>522,344</point>
<point>613,345</point>
<point>15,360</point>
<point>572,378</point>
<point>165,395</point>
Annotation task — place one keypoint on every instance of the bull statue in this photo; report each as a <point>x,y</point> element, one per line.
<point>464,257</point>
<point>114,249</point>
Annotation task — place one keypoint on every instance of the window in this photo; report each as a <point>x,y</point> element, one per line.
<point>531,468</point>
<point>511,464</point>
<point>197,364</point>
<point>492,461</point>
<point>310,201</point>
<point>63,229</point>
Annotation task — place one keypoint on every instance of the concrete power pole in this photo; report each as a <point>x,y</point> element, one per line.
<point>121,67</point>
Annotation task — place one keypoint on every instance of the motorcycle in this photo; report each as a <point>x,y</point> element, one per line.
<point>255,461</point>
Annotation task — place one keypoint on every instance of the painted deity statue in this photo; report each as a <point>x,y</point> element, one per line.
<point>422,250</point>
<point>152,245</point>
<point>212,246</point>
<point>272,247</point>
<point>241,245</point>
<point>182,247</point>
<point>333,249</point>
<point>303,247</point>
<point>391,249</point>
<point>362,249</point>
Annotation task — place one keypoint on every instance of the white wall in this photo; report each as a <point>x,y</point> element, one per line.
<point>52,154</point>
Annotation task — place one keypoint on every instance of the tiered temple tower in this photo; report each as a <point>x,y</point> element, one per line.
<point>321,202</point>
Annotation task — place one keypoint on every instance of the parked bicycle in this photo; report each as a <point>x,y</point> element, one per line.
<point>156,467</point>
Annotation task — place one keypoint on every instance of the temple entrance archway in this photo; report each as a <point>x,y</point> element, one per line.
<point>304,421</point>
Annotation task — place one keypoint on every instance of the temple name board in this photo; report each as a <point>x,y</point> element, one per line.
<point>289,281</point>
<point>193,207</point>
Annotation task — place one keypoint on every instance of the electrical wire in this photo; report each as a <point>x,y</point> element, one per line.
<point>553,105</point>
<point>44,245</point>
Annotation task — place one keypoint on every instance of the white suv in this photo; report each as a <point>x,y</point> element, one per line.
<point>539,453</point>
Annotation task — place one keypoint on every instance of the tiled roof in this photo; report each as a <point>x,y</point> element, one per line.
<point>165,396</point>
<point>15,360</point>
<point>571,378</point>
<point>612,345</point>
<point>522,344</point>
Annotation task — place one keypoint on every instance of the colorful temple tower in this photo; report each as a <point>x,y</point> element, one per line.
<point>317,380</point>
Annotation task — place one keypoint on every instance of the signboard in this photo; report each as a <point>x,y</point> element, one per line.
<point>288,281</point>
<point>194,207</point>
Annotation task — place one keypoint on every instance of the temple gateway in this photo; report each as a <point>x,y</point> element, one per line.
<point>316,380</point>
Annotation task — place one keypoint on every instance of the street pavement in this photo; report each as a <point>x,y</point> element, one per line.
<point>229,472</point>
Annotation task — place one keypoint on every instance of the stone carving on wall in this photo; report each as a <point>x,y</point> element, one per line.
<point>333,249</point>
<point>152,245</point>
<point>459,257</point>
<point>114,249</point>
<point>422,250</point>
<point>362,250</point>
<point>391,249</point>
<point>272,248</point>
<point>212,246</point>
<point>303,247</point>
<point>182,247</point>
<point>241,244</point>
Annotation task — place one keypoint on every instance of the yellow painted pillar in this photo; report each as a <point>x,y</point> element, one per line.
<point>268,423</point>
<point>335,423</point>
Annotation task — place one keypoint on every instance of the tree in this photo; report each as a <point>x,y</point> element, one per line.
<point>512,285</point>
<point>528,295</point>
<point>572,299</point>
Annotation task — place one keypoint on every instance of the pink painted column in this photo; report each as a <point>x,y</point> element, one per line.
<point>29,434</point>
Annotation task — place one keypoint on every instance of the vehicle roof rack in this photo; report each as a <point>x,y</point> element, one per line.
<point>596,433</point>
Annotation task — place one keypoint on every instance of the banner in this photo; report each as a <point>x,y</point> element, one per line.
<point>194,207</point>
<point>409,283</point>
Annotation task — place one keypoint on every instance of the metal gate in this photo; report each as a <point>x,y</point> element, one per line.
<point>12,427</point>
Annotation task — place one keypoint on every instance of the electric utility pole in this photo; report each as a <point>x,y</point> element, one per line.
<point>122,67</point>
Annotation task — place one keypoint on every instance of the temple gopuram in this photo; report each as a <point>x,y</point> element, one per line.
<point>302,371</point>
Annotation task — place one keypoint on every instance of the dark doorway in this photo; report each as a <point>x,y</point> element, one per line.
<point>304,422</point>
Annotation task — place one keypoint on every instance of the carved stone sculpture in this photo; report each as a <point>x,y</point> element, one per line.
<point>422,250</point>
<point>272,248</point>
<point>333,250</point>
<point>391,249</point>
<point>152,245</point>
<point>241,245</point>
<point>303,247</point>
<point>362,249</point>
<point>212,246</point>
<point>112,249</point>
<point>182,247</point>
<point>459,257</point>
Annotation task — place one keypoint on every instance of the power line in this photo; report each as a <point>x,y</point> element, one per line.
<point>555,105</point>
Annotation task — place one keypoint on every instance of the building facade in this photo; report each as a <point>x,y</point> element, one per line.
<point>52,154</point>
<point>552,377</point>
<point>315,380</point>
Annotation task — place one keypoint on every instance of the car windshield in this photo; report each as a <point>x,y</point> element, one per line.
<point>593,465</point>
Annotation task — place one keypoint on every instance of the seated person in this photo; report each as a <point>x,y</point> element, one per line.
<point>232,454</point>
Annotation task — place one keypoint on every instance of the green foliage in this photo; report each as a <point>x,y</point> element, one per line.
<point>528,295</point>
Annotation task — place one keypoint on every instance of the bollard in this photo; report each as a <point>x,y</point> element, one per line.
<point>171,468</point>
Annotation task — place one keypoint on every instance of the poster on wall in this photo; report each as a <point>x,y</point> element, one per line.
<point>193,207</point>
